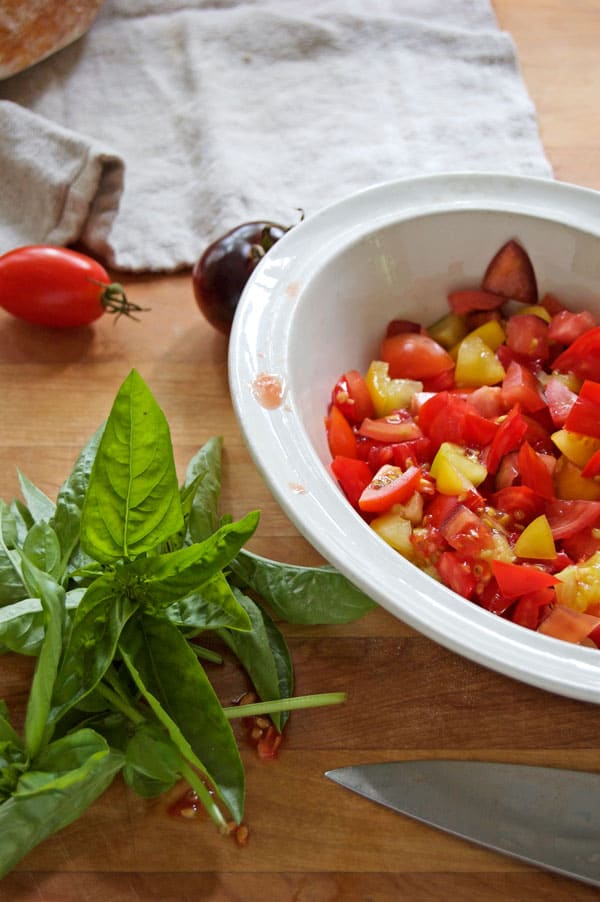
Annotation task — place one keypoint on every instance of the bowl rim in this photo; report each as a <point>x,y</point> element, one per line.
<point>258,342</point>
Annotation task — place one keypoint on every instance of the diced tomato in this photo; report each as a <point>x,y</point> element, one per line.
<point>510,273</point>
<point>567,624</point>
<point>527,336</point>
<point>510,434</point>
<point>389,486</point>
<point>565,326</point>
<point>559,399</point>
<point>535,472</point>
<point>487,401</point>
<point>582,358</point>
<point>340,435</point>
<point>463,302</point>
<point>353,475</point>
<point>477,430</point>
<point>567,518</point>
<point>584,415</point>
<point>439,509</point>
<point>539,434</point>
<point>592,467</point>
<point>415,451</point>
<point>520,502</point>
<point>531,608</point>
<point>457,573</point>
<point>379,456</point>
<point>396,427</point>
<point>465,532</point>
<point>520,579</point>
<point>400,326</point>
<point>442,418</point>
<point>444,381</point>
<point>520,386</point>
<point>412,355</point>
<point>582,545</point>
<point>352,397</point>
<point>268,744</point>
<point>552,304</point>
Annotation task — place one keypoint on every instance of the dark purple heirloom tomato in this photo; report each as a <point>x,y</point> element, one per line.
<point>222,271</point>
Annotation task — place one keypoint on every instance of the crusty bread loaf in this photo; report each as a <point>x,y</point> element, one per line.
<point>31,30</point>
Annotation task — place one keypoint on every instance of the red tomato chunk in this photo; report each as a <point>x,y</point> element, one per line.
<point>472,447</point>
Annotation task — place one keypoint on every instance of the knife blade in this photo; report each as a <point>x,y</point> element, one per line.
<point>546,816</point>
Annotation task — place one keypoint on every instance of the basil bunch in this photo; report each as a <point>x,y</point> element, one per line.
<point>106,588</point>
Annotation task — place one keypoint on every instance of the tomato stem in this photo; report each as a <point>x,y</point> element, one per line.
<point>114,300</point>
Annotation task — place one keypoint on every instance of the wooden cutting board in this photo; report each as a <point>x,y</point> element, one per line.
<point>308,839</point>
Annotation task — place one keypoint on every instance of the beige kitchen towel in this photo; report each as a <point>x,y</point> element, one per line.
<point>170,122</point>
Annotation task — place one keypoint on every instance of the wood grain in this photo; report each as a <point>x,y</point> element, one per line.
<point>407,697</point>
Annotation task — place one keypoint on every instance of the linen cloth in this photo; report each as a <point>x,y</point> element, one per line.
<point>170,122</point>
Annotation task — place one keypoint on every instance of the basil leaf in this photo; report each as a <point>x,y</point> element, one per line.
<point>69,501</point>
<point>168,577</point>
<point>12,587</point>
<point>52,598</point>
<point>204,473</point>
<point>38,504</point>
<point>214,605</point>
<point>175,685</point>
<point>132,501</point>
<point>97,625</point>
<point>13,757</point>
<point>43,549</point>
<point>264,655</point>
<point>22,623</point>
<point>151,761</point>
<point>7,732</point>
<point>81,766</point>
<point>308,595</point>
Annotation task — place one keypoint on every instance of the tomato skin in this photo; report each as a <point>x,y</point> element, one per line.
<point>352,396</point>
<point>510,273</point>
<point>510,433</point>
<point>52,286</point>
<point>473,299</point>
<point>412,355</point>
<point>389,486</point>
<point>584,415</point>
<point>565,326</point>
<point>353,475</point>
<point>515,580</point>
<point>582,357</point>
<point>340,435</point>
<point>221,273</point>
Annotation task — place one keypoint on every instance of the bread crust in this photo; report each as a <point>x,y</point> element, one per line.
<point>31,30</point>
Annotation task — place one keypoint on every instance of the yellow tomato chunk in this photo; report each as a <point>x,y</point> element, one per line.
<point>396,530</point>
<point>386,393</point>
<point>477,364</point>
<point>536,541</point>
<point>576,447</point>
<point>579,584</point>
<point>570,485</point>
<point>456,472</point>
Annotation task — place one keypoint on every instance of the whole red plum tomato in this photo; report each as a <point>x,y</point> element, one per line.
<point>222,271</point>
<point>58,287</point>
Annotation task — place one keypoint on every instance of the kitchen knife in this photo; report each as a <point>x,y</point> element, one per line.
<point>545,816</point>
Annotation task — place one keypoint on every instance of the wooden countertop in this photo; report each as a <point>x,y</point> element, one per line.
<point>309,839</point>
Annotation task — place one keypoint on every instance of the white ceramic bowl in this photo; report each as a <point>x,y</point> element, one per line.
<point>318,304</point>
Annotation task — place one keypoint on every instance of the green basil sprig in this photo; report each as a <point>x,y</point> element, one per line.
<point>112,588</point>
